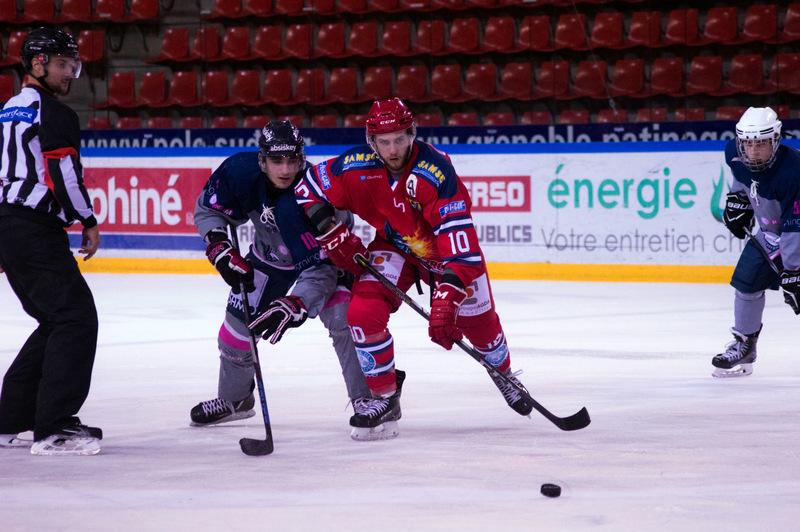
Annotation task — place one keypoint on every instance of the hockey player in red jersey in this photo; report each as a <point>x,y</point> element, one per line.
<point>410,193</point>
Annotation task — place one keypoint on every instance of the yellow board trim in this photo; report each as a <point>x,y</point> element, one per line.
<point>497,270</point>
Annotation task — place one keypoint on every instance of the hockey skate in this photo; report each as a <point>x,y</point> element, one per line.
<point>376,418</point>
<point>218,411</point>
<point>518,402</point>
<point>72,440</point>
<point>738,358</point>
<point>10,441</point>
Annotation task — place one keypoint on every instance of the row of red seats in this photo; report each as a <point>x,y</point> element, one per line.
<point>435,119</point>
<point>447,82</point>
<point>44,11</point>
<point>470,36</point>
<point>91,46</point>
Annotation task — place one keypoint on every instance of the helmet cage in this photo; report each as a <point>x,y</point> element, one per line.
<point>746,137</point>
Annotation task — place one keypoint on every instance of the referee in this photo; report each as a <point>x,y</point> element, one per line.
<point>41,193</point>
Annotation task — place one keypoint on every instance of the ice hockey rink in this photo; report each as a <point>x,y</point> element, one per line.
<point>669,447</point>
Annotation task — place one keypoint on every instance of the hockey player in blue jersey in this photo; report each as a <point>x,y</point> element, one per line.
<point>766,190</point>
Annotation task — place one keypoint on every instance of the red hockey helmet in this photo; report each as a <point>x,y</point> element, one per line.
<point>388,116</point>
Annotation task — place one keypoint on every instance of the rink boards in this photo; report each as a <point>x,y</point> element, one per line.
<point>622,211</point>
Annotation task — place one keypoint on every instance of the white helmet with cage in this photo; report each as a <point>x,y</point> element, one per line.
<point>758,135</point>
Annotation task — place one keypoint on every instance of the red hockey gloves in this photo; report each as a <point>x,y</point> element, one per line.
<point>342,246</point>
<point>229,263</point>
<point>790,282</point>
<point>444,311</point>
<point>738,214</point>
<point>282,314</point>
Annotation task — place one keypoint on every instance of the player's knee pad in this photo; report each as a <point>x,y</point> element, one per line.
<point>368,312</point>
<point>750,296</point>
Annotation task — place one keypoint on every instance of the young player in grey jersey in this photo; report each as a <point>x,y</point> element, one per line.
<point>766,189</point>
<point>259,187</point>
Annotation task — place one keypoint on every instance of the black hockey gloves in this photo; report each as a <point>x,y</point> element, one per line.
<point>790,282</point>
<point>282,314</point>
<point>229,263</point>
<point>738,214</point>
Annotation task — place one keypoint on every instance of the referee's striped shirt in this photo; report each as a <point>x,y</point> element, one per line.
<point>40,164</point>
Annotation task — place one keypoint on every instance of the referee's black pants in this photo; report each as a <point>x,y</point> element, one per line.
<point>49,380</point>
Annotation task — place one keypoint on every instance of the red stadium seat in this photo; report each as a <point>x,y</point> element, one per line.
<point>377,84</point>
<point>75,11</point>
<point>516,81</point>
<point>721,25</point>
<point>645,29</point>
<point>343,85</point>
<point>480,3</point>
<point>109,10</point>
<point>413,5</point>
<point>205,45</point>
<point>705,75</point>
<point>480,81</point>
<point>429,119</point>
<point>7,87</point>
<point>288,7</point>
<point>412,83</point>
<point>355,120</point>
<point>298,41</point>
<point>590,79</point>
<point>430,36</point>
<point>15,41</point>
<point>153,90</point>
<point>143,10</point>
<point>255,121</point>
<point>446,83</point>
<point>666,76</point>
<point>278,86</point>
<point>760,23</point>
<point>534,33</point>
<point>383,6</point>
<point>536,118</point>
<point>190,122</point>
<point>783,111</point>
<point>214,88</point>
<point>730,112</point>
<point>174,46</point>
<point>8,11</point>
<point>498,36</point>
<point>259,8</point>
<point>498,119</point>
<point>246,88</point>
<point>627,78</point>
<point>296,120</point>
<point>690,114</point>
<point>129,122</point>
<point>396,37</point>
<point>236,43</point>
<point>571,32</point>
<point>607,30</point>
<point>310,86</point>
<point>330,40</point>
<point>363,38</point>
<point>451,5</point>
<point>92,45</point>
<point>464,35</point>
<point>573,116</point>
<point>651,114</point>
<point>612,116</point>
<point>325,120</point>
<point>345,6</point>
<point>267,42</point>
<point>464,119</point>
<point>791,23</point>
<point>159,122</point>
<point>121,91</point>
<point>552,79</point>
<point>224,122</point>
<point>38,11</point>
<point>183,89</point>
<point>746,74</point>
<point>226,9</point>
<point>682,27</point>
<point>784,74</point>
<point>99,122</point>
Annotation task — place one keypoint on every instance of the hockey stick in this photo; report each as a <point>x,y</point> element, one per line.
<point>763,251</point>
<point>250,446</point>
<point>576,421</point>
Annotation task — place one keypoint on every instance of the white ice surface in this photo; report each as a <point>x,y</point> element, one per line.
<point>669,447</point>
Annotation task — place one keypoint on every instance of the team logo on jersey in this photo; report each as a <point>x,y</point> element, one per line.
<point>268,217</point>
<point>366,360</point>
<point>452,207</point>
<point>411,186</point>
<point>430,171</point>
<point>323,177</point>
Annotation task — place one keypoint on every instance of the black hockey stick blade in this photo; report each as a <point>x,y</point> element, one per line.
<point>576,421</point>
<point>253,447</point>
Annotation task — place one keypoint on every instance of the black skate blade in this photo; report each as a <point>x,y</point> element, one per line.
<point>252,447</point>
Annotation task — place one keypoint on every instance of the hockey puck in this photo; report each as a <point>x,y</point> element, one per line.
<point>551,490</point>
